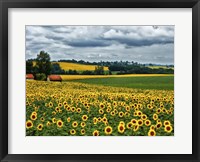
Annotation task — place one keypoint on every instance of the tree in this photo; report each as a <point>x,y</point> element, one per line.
<point>56,69</point>
<point>29,67</point>
<point>99,70</point>
<point>43,63</point>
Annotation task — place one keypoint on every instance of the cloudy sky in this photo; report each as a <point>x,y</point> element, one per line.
<point>144,44</point>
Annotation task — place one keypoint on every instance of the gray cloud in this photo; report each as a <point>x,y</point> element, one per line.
<point>144,44</point>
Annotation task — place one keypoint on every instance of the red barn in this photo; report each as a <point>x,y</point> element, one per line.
<point>29,76</point>
<point>54,78</point>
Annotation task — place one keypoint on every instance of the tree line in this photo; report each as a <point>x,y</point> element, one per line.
<point>44,67</point>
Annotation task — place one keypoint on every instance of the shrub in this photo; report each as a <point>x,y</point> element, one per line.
<point>41,76</point>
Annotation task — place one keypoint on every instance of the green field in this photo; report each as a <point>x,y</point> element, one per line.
<point>156,82</point>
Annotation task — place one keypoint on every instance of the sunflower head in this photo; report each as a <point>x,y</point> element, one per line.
<point>121,128</point>
<point>59,123</point>
<point>33,117</point>
<point>151,132</point>
<point>29,124</point>
<point>72,131</point>
<point>84,117</point>
<point>39,127</point>
<point>147,122</point>
<point>82,131</point>
<point>168,128</point>
<point>96,133</point>
<point>108,130</point>
<point>129,125</point>
<point>83,124</point>
<point>75,124</point>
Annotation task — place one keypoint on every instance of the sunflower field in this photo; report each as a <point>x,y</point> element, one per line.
<point>80,109</point>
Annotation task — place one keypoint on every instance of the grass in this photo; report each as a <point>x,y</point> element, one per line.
<point>153,82</point>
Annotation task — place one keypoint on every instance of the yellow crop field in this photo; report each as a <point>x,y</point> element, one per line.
<point>157,67</point>
<point>79,109</point>
<point>78,67</point>
<point>75,77</point>
<point>74,66</point>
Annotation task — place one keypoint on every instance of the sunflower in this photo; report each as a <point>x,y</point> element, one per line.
<point>134,121</point>
<point>64,103</point>
<point>99,119</point>
<point>108,130</point>
<point>155,116</point>
<point>112,113</point>
<point>151,132</point>
<point>75,124</point>
<point>57,109</point>
<point>101,111</point>
<point>140,122</point>
<point>121,114</point>
<point>59,123</point>
<point>127,108</point>
<point>116,111</point>
<point>114,103</point>
<point>168,128</point>
<point>152,127</point>
<point>158,125</point>
<point>167,122</point>
<point>108,110</point>
<point>149,106</point>
<point>136,109</point>
<point>48,123</point>
<point>96,133</point>
<point>95,120</point>
<point>101,106</point>
<point>68,108</point>
<point>143,116</point>
<point>163,110</point>
<point>34,112</point>
<point>82,131</point>
<point>129,125</point>
<point>135,114</point>
<point>54,120</point>
<point>139,113</point>
<point>72,131</point>
<point>136,127</point>
<point>121,123</point>
<point>29,124</point>
<point>53,113</point>
<point>60,105</point>
<point>42,119</point>
<point>84,117</point>
<point>50,104</point>
<point>68,119</point>
<point>39,127</point>
<point>83,124</point>
<point>158,111</point>
<point>73,109</point>
<point>121,128</point>
<point>147,122</point>
<point>104,119</point>
<point>33,117</point>
<point>78,110</point>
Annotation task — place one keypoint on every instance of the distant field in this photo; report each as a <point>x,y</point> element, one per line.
<point>78,67</point>
<point>157,67</point>
<point>74,66</point>
<point>162,82</point>
<point>78,77</point>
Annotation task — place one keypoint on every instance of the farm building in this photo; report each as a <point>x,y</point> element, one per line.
<point>29,76</point>
<point>54,78</point>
